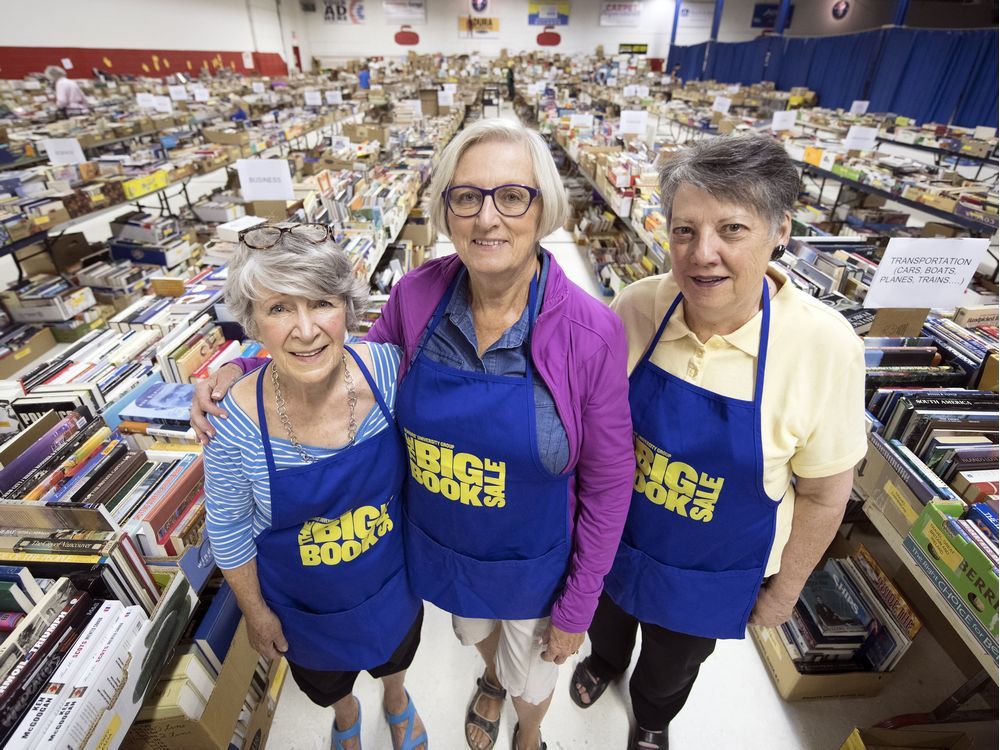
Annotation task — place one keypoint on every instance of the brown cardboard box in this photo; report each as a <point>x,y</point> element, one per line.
<point>226,137</point>
<point>898,322</point>
<point>419,234</point>
<point>939,229</point>
<point>881,485</point>
<point>68,249</point>
<point>215,727</point>
<point>37,345</point>
<point>906,739</point>
<point>273,210</point>
<point>792,685</point>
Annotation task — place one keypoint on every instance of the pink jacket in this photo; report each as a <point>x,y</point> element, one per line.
<point>578,346</point>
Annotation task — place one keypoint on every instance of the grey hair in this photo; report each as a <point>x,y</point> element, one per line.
<point>293,266</point>
<point>555,206</point>
<point>53,72</point>
<point>747,170</point>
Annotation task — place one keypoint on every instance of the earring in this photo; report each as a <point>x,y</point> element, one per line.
<point>778,251</point>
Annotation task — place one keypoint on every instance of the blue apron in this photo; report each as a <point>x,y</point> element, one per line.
<point>487,531</point>
<point>331,565</point>
<point>700,526</point>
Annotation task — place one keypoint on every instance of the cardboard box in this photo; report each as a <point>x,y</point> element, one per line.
<point>962,564</point>
<point>67,333</point>
<point>139,186</point>
<point>906,739</point>
<point>793,686</point>
<point>52,310</point>
<point>69,249</point>
<point>901,321</point>
<point>419,234</point>
<point>272,210</point>
<point>37,345</point>
<point>215,727</point>
<point>878,482</point>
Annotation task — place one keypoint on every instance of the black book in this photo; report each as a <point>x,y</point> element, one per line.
<point>934,401</point>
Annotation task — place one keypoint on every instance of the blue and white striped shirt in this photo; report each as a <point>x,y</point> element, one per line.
<point>237,489</point>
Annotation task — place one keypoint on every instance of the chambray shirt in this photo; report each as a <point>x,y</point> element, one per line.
<point>454,344</point>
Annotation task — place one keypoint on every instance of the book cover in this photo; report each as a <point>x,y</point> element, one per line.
<point>831,607</point>
<point>13,598</point>
<point>22,576</point>
<point>161,402</point>
<point>214,634</point>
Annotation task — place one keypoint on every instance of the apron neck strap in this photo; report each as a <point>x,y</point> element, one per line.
<point>265,436</point>
<point>765,328</point>
<point>371,384</point>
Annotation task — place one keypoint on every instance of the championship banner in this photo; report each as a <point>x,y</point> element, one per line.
<point>474,27</point>
<point>399,12</point>
<point>548,14</point>
<point>621,14</point>
<point>344,11</point>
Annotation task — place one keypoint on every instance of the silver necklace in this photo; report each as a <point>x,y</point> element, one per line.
<point>352,401</point>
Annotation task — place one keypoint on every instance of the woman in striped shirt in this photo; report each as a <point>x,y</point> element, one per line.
<point>303,483</point>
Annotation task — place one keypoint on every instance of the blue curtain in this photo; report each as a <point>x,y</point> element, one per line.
<point>926,74</point>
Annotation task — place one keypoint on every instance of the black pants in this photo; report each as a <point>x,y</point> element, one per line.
<point>667,668</point>
<point>325,688</point>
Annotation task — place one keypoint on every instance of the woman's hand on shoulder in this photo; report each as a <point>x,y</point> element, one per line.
<point>207,394</point>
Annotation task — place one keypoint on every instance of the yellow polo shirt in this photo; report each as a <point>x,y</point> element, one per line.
<point>812,416</point>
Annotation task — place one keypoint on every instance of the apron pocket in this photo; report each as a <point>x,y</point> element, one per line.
<point>363,637</point>
<point>490,589</point>
<point>698,602</point>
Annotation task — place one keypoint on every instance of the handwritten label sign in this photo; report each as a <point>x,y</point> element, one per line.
<point>925,272</point>
<point>178,93</point>
<point>334,97</point>
<point>860,138</point>
<point>984,133</point>
<point>859,107</point>
<point>784,120</point>
<point>634,120</point>
<point>452,87</point>
<point>722,104</point>
<point>413,105</point>
<point>265,179</point>
<point>145,101</point>
<point>642,91</point>
<point>201,95</point>
<point>163,104</point>
<point>446,98</point>
<point>67,63</point>
<point>629,91</point>
<point>581,121</point>
<point>63,151</point>
<point>313,99</point>
<point>257,87</point>
<point>339,142</point>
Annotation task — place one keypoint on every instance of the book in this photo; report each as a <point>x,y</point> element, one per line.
<point>21,575</point>
<point>886,590</point>
<point>9,620</point>
<point>13,598</point>
<point>176,698</point>
<point>214,635</point>
<point>831,607</point>
<point>168,403</point>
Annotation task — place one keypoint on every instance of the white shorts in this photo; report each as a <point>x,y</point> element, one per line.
<point>519,665</point>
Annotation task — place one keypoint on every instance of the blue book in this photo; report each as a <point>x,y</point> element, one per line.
<point>164,403</point>
<point>215,633</point>
<point>986,519</point>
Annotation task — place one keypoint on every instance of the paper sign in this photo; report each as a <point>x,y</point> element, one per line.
<point>67,63</point>
<point>258,87</point>
<point>629,91</point>
<point>612,81</point>
<point>40,98</point>
<point>313,99</point>
<point>859,107</point>
<point>452,87</point>
<point>925,272</point>
<point>248,60</point>
<point>860,138</point>
<point>63,151</point>
<point>722,104</point>
<point>201,95</point>
<point>784,120</point>
<point>413,105</point>
<point>634,120</point>
<point>145,100</point>
<point>334,97</point>
<point>111,84</point>
<point>642,91</point>
<point>265,179</point>
<point>734,89</point>
<point>32,85</point>
<point>984,133</point>
<point>178,93</point>
<point>581,121</point>
<point>446,98</point>
<point>163,104</point>
<point>339,142</point>
<point>665,80</point>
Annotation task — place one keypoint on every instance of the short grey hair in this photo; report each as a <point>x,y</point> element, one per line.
<point>293,266</point>
<point>555,205</point>
<point>747,170</point>
<point>54,72</point>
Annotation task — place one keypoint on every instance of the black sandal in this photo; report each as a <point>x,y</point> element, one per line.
<point>513,742</point>
<point>584,677</point>
<point>473,717</point>
<point>644,739</point>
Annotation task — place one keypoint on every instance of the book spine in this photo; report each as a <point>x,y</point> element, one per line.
<point>929,477</point>
<point>982,515</point>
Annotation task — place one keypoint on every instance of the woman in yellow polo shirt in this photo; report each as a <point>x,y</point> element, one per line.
<point>747,400</point>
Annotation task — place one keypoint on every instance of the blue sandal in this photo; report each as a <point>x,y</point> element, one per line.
<point>408,714</point>
<point>340,737</point>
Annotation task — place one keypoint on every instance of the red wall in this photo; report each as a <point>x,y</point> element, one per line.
<point>17,62</point>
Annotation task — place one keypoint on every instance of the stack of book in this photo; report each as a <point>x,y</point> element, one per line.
<point>849,618</point>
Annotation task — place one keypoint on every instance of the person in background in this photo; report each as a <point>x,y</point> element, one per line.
<point>70,100</point>
<point>308,536</point>
<point>747,401</point>
<point>675,75</point>
<point>364,77</point>
<point>514,406</point>
<point>510,80</point>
